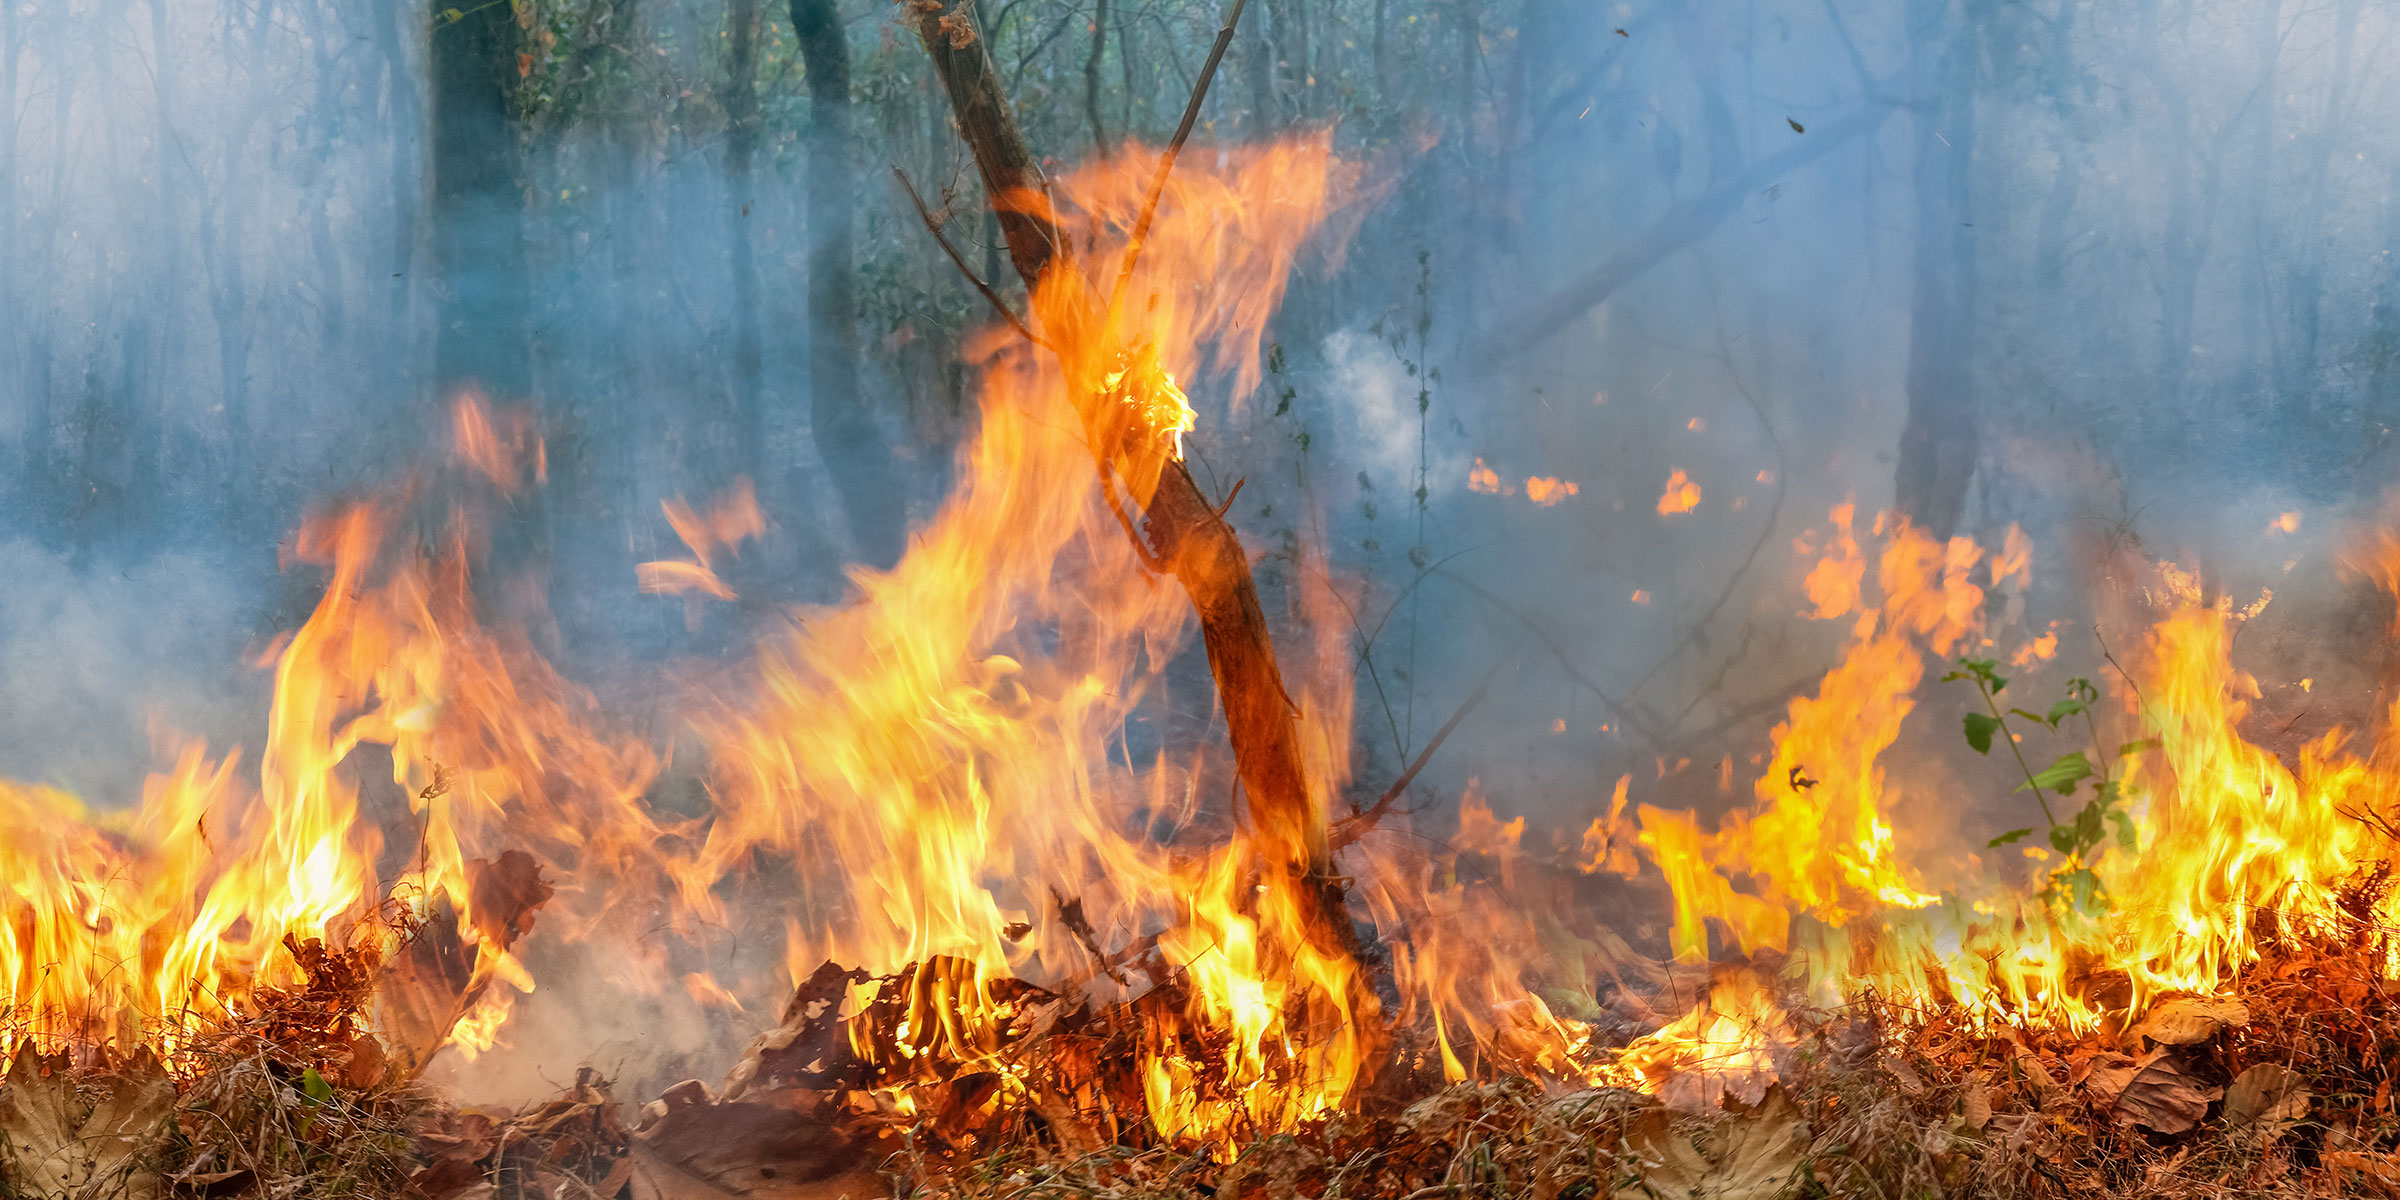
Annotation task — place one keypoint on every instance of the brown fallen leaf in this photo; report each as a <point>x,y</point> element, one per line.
<point>2263,1104</point>
<point>2157,1091</point>
<point>1975,1106</point>
<point>1754,1155</point>
<point>2190,1020</point>
<point>56,1146</point>
<point>2379,1171</point>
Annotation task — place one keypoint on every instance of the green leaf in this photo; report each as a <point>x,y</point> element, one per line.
<point>2136,747</point>
<point>2082,689</point>
<point>2012,837</point>
<point>314,1087</point>
<point>2060,776</point>
<point>2088,825</point>
<point>1980,728</point>
<point>2124,823</point>
<point>2062,838</point>
<point>2064,709</point>
<point>2033,716</point>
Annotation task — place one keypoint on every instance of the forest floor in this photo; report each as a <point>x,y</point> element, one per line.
<point>2282,1087</point>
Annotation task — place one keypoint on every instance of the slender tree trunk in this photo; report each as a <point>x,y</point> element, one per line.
<point>2190,208</point>
<point>479,206</point>
<point>395,24</point>
<point>2308,276</point>
<point>150,454</point>
<point>40,472</point>
<point>2380,411</point>
<point>1091,76</point>
<point>2263,358</point>
<point>1379,51</point>
<point>1185,530</point>
<point>741,149</point>
<point>11,362</point>
<point>1938,442</point>
<point>853,448</point>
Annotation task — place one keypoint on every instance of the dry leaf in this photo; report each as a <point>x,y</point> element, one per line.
<point>1975,1107</point>
<point>2264,1103</point>
<point>2189,1020</point>
<point>1755,1155</point>
<point>2158,1092</point>
<point>58,1147</point>
<point>2381,1170</point>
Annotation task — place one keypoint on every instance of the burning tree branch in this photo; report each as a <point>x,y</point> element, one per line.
<point>1185,532</point>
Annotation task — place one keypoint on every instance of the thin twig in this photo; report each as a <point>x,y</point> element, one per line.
<point>1359,823</point>
<point>1166,161</point>
<point>1222,509</point>
<point>935,228</point>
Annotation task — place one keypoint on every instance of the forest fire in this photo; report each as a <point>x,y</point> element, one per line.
<point>1004,920</point>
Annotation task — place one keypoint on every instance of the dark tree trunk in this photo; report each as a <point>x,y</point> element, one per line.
<point>1091,76</point>
<point>1939,440</point>
<point>741,150</point>
<point>394,24</point>
<point>11,372</point>
<point>852,446</point>
<point>2308,277</point>
<point>479,206</point>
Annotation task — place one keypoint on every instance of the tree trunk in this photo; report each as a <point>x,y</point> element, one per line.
<point>394,24</point>
<point>1939,440</point>
<point>479,206</point>
<point>741,150</point>
<point>1198,546</point>
<point>1091,76</point>
<point>853,448</point>
<point>11,53</point>
<point>2308,277</point>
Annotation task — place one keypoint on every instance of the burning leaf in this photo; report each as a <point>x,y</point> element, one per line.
<point>2190,1020</point>
<point>2264,1103</point>
<point>57,1147</point>
<point>1755,1156</point>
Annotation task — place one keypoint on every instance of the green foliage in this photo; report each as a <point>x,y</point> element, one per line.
<point>2080,837</point>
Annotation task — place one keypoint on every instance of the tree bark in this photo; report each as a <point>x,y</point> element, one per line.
<point>479,206</point>
<point>741,151</point>
<point>852,447</point>
<point>2308,278</point>
<point>1091,76</point>
<point>1938,443</point>
<point>1185,531</point>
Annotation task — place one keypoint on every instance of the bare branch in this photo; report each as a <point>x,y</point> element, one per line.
<point>1360,822</point>
<point>1166,161</point>
<point>935,228</point>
